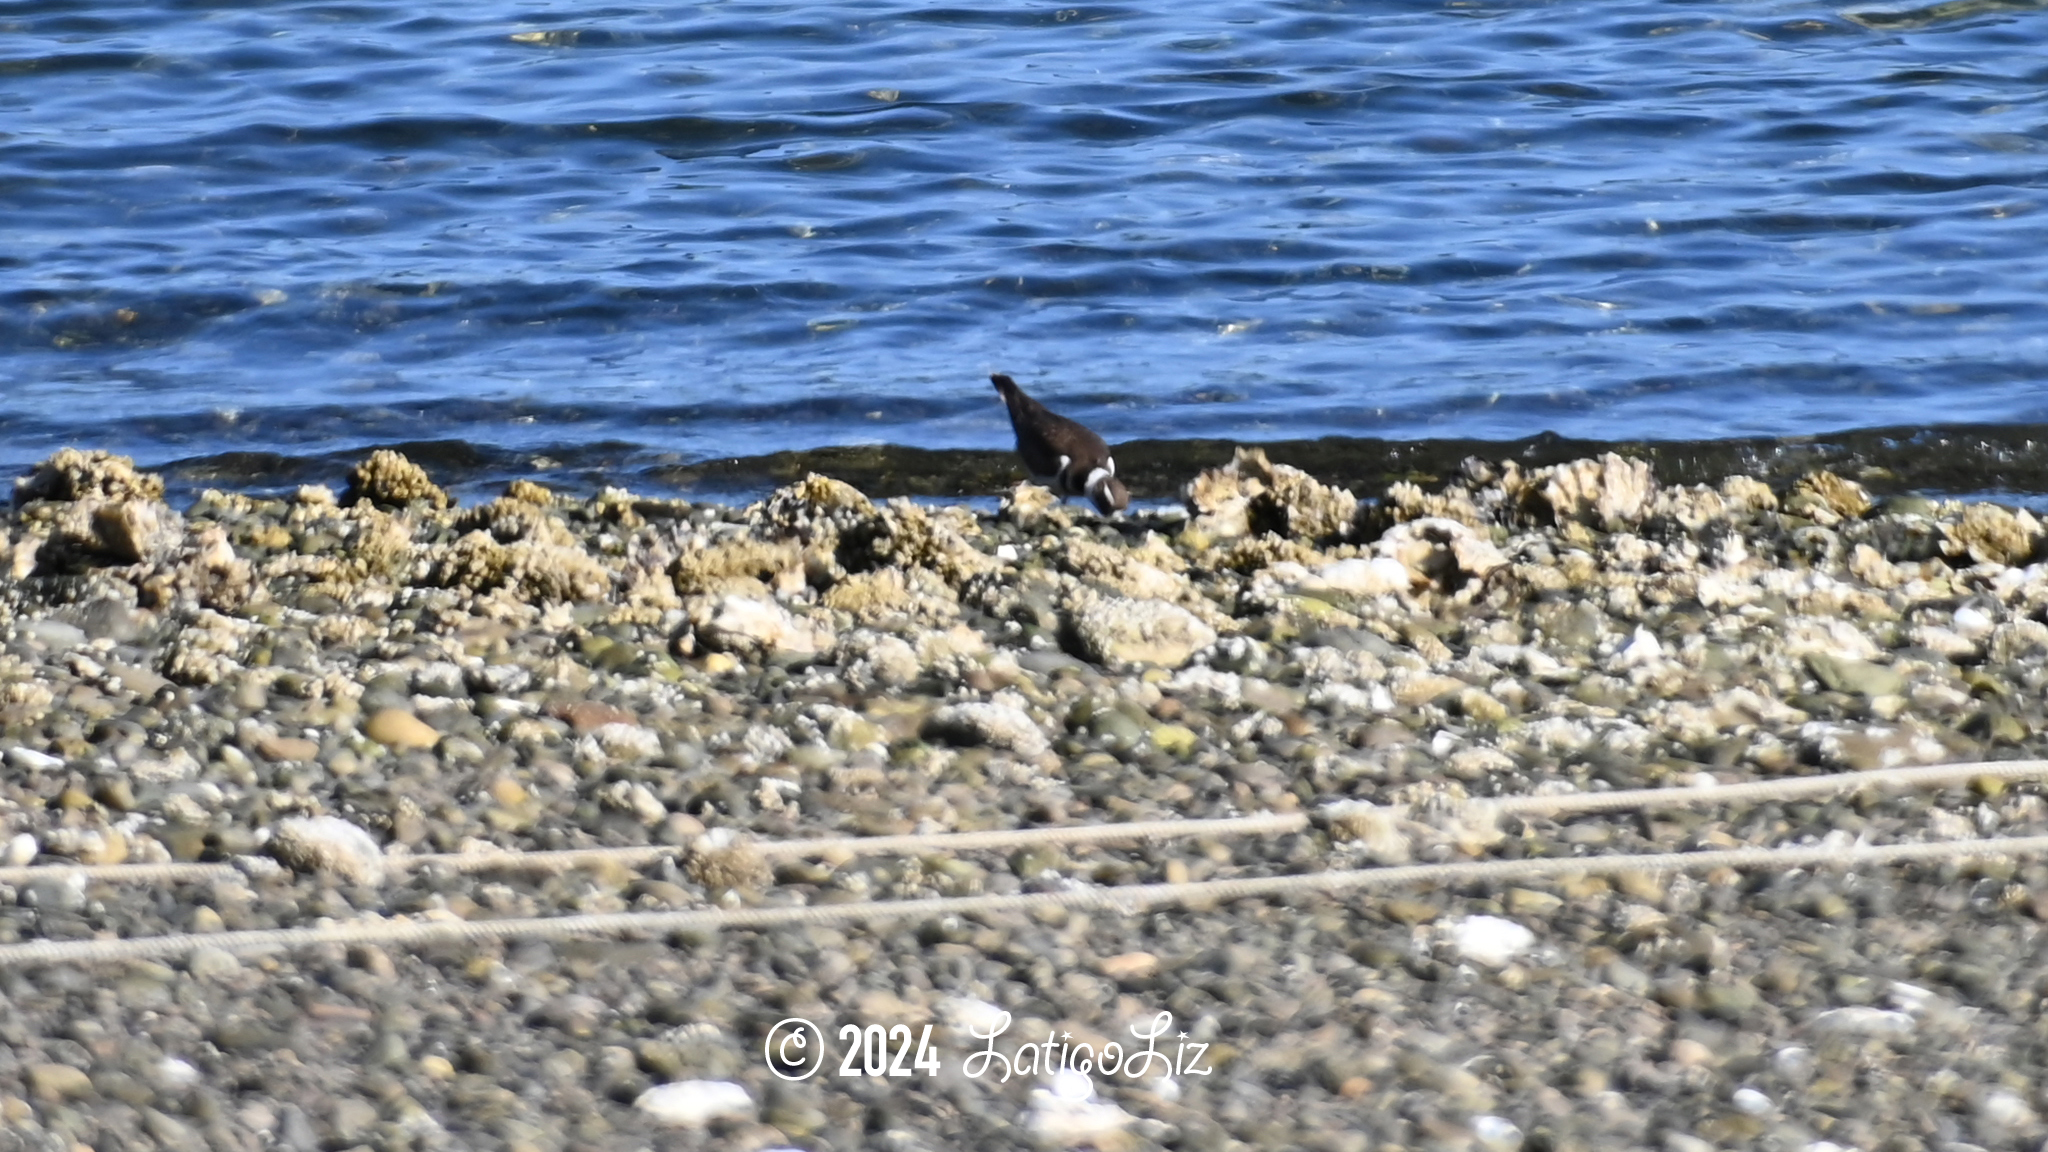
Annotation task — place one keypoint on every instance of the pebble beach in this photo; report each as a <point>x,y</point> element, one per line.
<point>316,690</point>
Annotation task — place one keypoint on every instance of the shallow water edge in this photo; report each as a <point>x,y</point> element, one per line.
<point>2007,462</point>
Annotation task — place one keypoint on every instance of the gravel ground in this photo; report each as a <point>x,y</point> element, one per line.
<point>332,681</point>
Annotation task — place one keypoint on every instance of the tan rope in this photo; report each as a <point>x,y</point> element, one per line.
<point>1275,823</point>
<point>1122,900</point>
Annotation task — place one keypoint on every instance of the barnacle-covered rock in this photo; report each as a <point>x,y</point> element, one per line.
<point>1122,570</point>
<point>756,628</point>
<point>745,565</point>
<point>1610,493</point>
<point>1444,554</point>
<point>1827,499</point>
<point>388,478</point>
<point>1253,494</point>
<point>535,572</point>
<point>909,535</point>
<point>1033,508</point>
<point>1988,534</point>
<point>893,596</point>
<point>508,519</point>
<point>812,508</point>
<point>1118,632</point>
<point>73,474</point>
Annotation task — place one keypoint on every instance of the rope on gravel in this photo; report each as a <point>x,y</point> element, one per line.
<point>1269,824</point>
<point>1128,900</point>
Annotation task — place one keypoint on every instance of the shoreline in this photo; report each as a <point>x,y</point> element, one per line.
<point>315,684</point>
<point>1957,461</point>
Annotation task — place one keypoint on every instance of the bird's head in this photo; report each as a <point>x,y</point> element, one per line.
<point>1108,492</point>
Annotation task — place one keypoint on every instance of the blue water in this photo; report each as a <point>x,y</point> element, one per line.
<point>720,229</point>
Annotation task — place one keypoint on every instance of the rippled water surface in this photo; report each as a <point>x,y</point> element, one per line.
<point>667,234</point>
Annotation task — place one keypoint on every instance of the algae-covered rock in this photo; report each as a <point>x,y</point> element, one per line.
<point>388,478</point>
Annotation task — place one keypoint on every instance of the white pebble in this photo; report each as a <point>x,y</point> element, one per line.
<point>2005,1110</point>
<point>1642,648</point>
<point>1490,940</point>
<point>311,843</point>
<point>1007,553</point>
<point>1072,1084</point>
<point>1751,1101</point>
<point>695,1103</point>
<point>1857,1020</point>
<point>1909,997</point>
<point>21,850</point>
<point>1496,1133</point>
<point>176,1073</point>
<point>30,760</point>
<point>1067,1122</point>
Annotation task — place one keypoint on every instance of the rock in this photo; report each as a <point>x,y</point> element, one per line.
<point>995,725</point>
<point>315,843</point>
<point>1489,940</point>
<point>210,963</point>
<point>720,860</point>
<point>696,1103</point>
<point>813,507</point>
<point>135,531</point>
<point>534,570</point>
<point>1130,966</point>
<point>1067,1114</point>
<point>1496,1134</point>
<point>1610,493</point>
<point>1120,633</point>
<point>282,749</point>
<point>760,629</point>
<point>1827,499</point>
<point>1859,1020</point>
<point>30,760</point>
<point>390,480</point>
<point>1841,674</point>
<point>21,850</point>
<point>1252,494</point>
<point>1751,1101</point>
<point>1438,553</point>
<point>745,566</point>
<point>1176,740</point>
<point>400,730</point>
<point>1988,534</point>
<point>1033,508</point>
<point>56,1083</point>
<point>1360,576</point>
<point>72,474</point>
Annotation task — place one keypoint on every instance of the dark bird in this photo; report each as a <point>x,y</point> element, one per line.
<point>1060,454</point>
